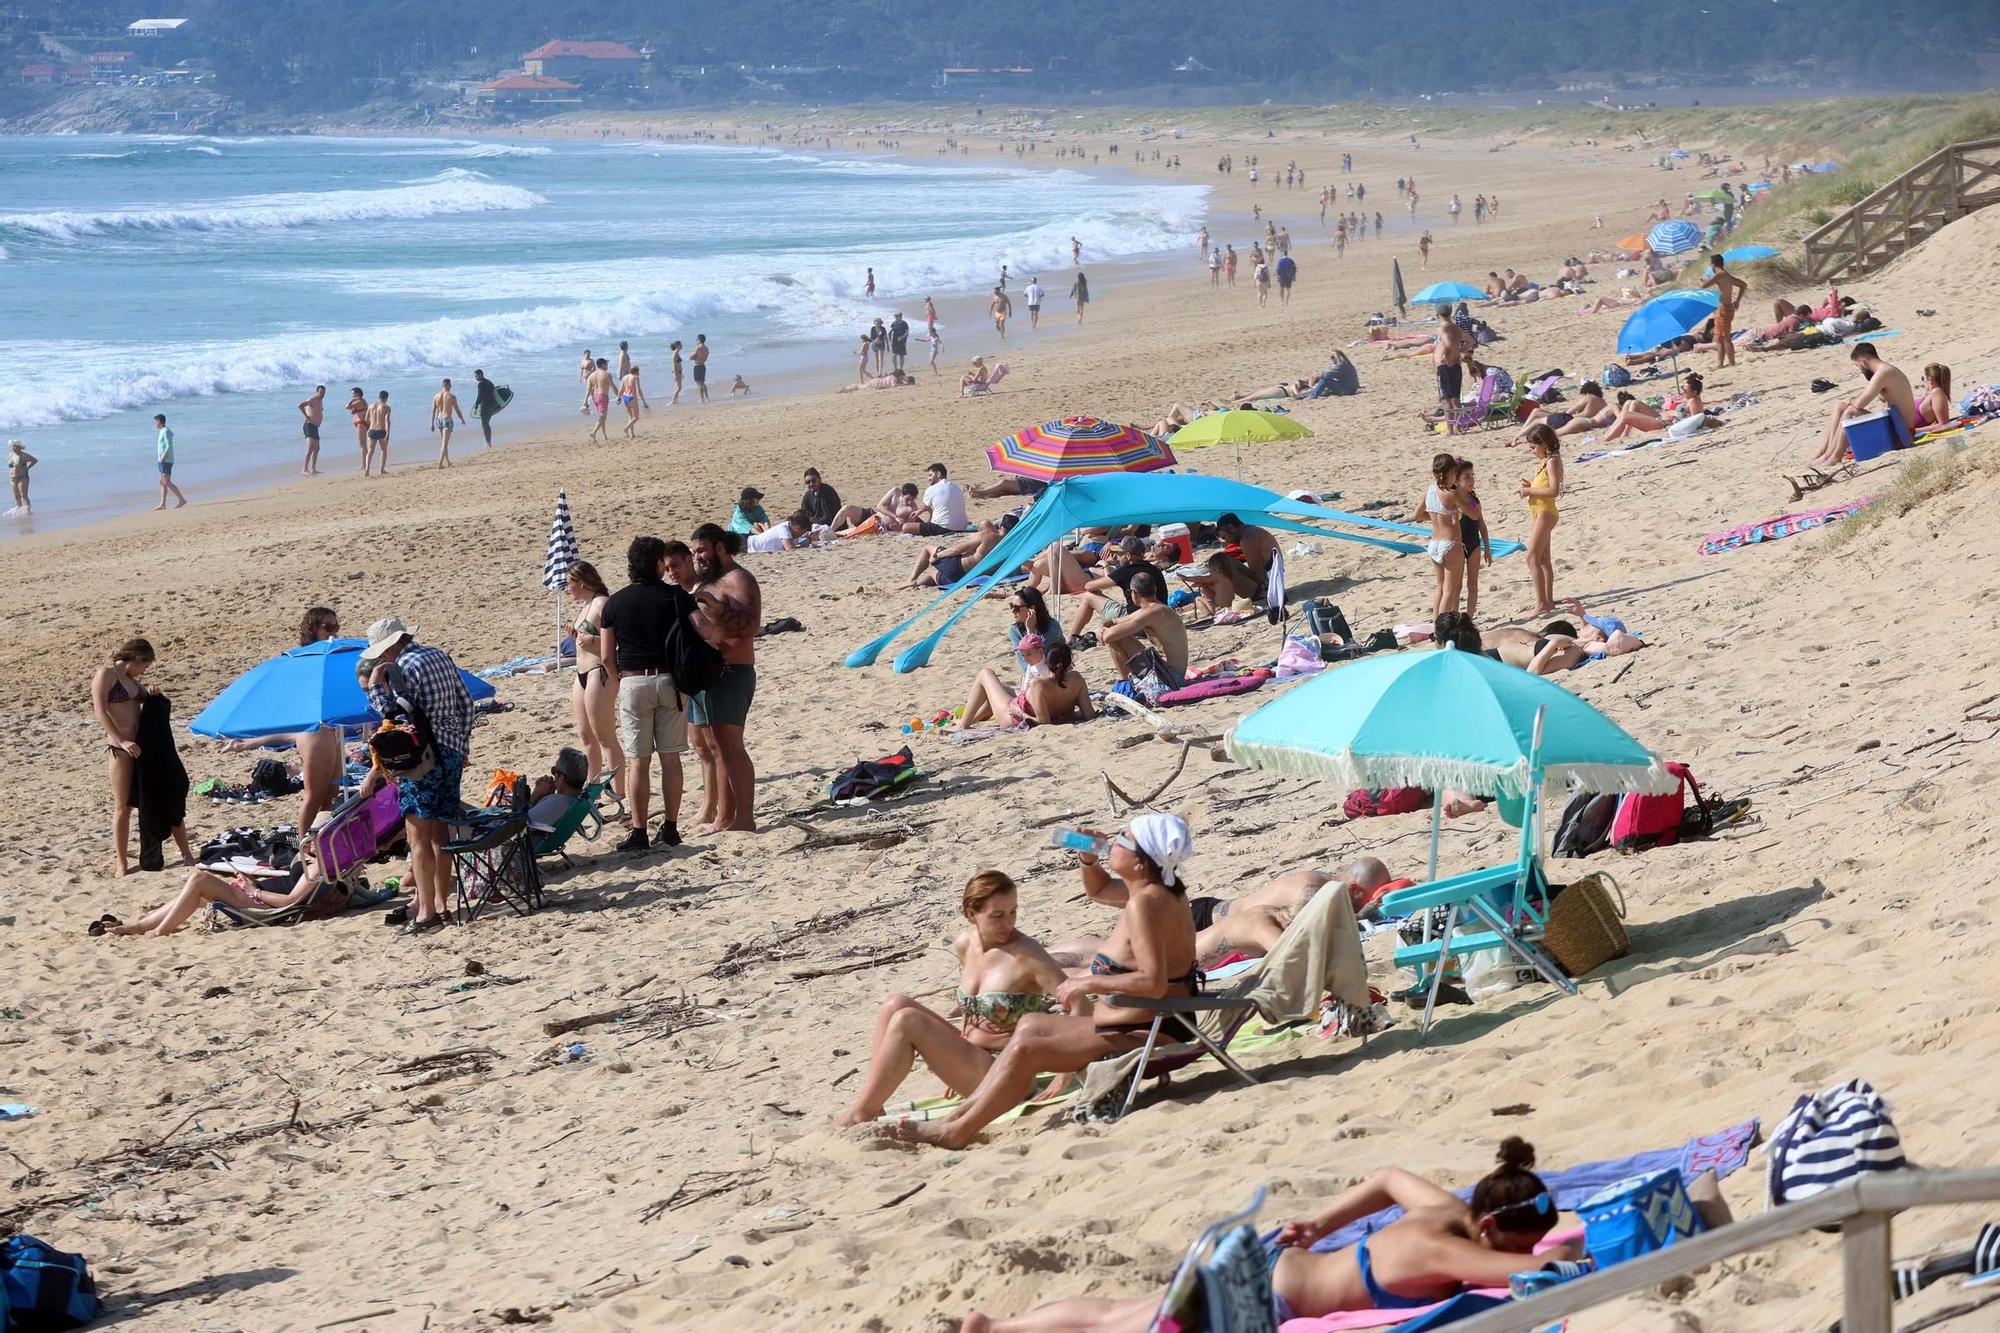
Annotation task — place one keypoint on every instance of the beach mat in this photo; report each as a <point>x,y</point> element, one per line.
<point>1782,526</point>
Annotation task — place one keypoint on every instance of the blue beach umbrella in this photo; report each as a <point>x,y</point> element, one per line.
<point>1668,315</point>
<point>1439,292</point>
<point>303,689</point>
<point>1673,238</point>
<point>1437,719</point>
<point>1749,254</point>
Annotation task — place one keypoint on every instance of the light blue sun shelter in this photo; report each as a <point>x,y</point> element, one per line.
<point>1110,499</point>
<point>1447,719</point>
<point>302,689</point>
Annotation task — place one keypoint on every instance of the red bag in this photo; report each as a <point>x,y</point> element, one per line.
<point>1657,821</point>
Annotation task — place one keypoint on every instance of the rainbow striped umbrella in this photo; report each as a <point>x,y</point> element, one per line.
<point>1078,445</point>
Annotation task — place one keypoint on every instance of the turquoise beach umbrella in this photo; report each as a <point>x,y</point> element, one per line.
<point>1440,292</point>
<point>1442,718</point>
<point>1749,254</point>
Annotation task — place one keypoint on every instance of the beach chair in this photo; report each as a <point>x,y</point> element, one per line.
<point>1318,953</point>
<point>1224,1283</point>
<point>494,858</point>
<point>1469,417</point>
<point>582,817</point>
<point>1509,901</point>
<point>359,829</point>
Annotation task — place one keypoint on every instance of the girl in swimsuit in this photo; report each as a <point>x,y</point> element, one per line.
<point>1150,954</point>
<point>1541,493</point>
<point>1440,1246</point>
<point>1446,547</point>
<point>1472,533</point>
<point>634,398</point>
<point>594,698</point>
<point>115,695</point>
<point>1003,976</point>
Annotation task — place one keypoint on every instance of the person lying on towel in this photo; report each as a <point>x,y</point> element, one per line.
<point>1439,1247</point>
<point>1003,976</point>
<point>1560,645</point>
<point>1150,954</point>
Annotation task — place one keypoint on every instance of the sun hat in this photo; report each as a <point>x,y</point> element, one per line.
<point>1165,840</point>
<point>383,635</point>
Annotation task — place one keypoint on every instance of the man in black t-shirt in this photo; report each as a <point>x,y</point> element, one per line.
<point>899,339</point>
<point>1109,595</point>
<point>652,714</point>
<point>821,502</point>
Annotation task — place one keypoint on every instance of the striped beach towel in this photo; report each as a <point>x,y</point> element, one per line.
<point>1784,525</point>
<point>1830,1138</point>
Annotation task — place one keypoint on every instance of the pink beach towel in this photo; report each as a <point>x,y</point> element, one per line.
<point>1353,1319</point>
<point>1784,525</point>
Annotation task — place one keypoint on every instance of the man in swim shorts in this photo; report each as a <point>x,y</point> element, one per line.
<point>729,609</point>
<point>698,358</point>
<point>378,432</point>
<point>1447,357</point>
<point>1730,288</point>
<point>444,407</point>
<point>1001,307</point>
<point>597,389</point>
<point>313,410</point>
<point>1034,295</point>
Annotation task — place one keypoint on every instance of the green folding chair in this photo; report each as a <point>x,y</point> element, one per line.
<point>580,818</point>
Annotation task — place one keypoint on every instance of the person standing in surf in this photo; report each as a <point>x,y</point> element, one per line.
<point>357,408</point>
<point>378,432</point>
<point>444,406</point>
<point>485,404</point>
<point>700,358</point>
<point>313,410</point>
<point>163,452</point>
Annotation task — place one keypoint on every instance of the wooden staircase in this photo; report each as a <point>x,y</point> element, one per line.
<point>1939,190</point>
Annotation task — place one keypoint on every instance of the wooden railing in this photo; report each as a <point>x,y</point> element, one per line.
<point>1861,1208</point>
<point>1937,191</point>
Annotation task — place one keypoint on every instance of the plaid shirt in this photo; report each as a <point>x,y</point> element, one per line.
<point>429,679</point>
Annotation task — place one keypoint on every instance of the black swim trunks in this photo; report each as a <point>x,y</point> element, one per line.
<point>700,372</point>
<point>1451,382</point>
<point>1204,913</point>
<point>312,430</point>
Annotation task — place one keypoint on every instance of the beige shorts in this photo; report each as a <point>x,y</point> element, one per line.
<point>652,718</point>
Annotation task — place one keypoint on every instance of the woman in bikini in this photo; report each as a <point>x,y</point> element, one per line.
<point>1003,976</point>
<point>1446,547</point>
<point>634,398</point>
<point>594,699</point>
<point>1589,412</point>
<point>1934,403</point>
<point>204,886</point>
<point>1440,1246</point>
<point>675,348</point>
<point>357,408</point>
<point>1540,492</point>
<point>115,697</point>
<point>1060,696</point>
<point>1151,954</point>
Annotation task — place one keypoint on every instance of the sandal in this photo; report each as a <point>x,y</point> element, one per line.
<point>99,926</point>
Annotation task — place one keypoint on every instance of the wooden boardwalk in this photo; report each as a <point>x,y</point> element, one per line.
<point>1939,190</point>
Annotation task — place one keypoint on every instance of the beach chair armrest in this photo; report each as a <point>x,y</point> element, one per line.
<point>1183,1004</point>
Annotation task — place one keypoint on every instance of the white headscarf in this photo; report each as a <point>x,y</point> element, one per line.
<point>1166,840</point>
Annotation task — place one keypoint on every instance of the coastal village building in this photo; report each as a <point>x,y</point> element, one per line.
<point>38,73</point>
<point>112,62</point>
<point>155,28</point>
<point>584,62</point>
<point>519,90</point>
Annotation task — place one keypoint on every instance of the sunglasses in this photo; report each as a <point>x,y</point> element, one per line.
<point>1542,1206</point>
<point>1125,840</point>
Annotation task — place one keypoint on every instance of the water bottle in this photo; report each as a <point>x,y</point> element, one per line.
<point>1070,839</point>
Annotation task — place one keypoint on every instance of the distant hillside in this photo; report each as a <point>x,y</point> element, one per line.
<point>305,54</point>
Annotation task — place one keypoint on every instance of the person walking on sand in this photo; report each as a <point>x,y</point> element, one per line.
<point>445,414</point>
<point>1229,264</point>
<point>599,386</point>
<point>19,461</point>
<point>1540,492</point>
<point>1079,292</point>
<point>731,607</point>
<point>1447,358</point>
<point>1215,267</point>
<point>675,348</point>
<point>1034,294</point>
<point>936,346</point>
<point>930,314</point>
<point>378,433</point>
<point>164,455</point>
<point>1730,289</point>
<point>357,410</point>
<point>313,410</point>
<point>699,359</point>
<point>485,404</point>
<point>583,380</point>
<point>1000,307</point>
<point>634,398</point>
<point>624,359</point>
<point>1424,250</point>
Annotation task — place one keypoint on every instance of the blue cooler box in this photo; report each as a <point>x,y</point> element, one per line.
<point>1876,434</point>
<point>1636,1216</point>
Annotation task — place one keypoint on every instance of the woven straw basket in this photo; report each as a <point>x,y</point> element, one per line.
<point>1586,928</point>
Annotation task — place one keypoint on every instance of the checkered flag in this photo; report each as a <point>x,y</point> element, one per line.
<point>562,546</point>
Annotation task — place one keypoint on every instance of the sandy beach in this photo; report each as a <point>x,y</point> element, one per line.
<point>684,1174</point>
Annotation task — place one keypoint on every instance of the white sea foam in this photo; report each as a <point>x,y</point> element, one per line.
<point>453,191</point>
<point>207,149</point>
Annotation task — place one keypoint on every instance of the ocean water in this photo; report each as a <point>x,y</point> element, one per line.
<point>218,280</point>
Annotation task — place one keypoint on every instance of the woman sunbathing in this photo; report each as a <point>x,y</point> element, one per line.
<point>288,889</point>
<point>1003,976</point>
<point>1588,412</point>
<point>1440,1246</point>
<point>1150,954</point>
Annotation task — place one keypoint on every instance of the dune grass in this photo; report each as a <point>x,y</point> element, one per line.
<point>1921,480</point>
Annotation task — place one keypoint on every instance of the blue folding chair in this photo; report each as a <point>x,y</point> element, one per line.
<point>1225,1280</point>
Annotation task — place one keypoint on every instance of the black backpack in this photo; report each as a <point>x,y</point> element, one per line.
<point>696,663</point>
<point>873,779</point>
<point>1585,826</point>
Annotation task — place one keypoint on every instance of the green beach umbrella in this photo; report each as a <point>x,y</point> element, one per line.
<point>1237,426</point>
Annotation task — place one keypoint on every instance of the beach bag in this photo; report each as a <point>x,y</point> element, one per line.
<point>875,779</point>
<point>1614,376</point>
<point>1585,929</point>
<point>1982,401</point>
<point>42,1289</point>
<point>1637,1215</point>
<point>403,750</point>
<point>1830,1138</point>
<point>1585,826</point>
<point>1646,821</point>
<point>694,662</point>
